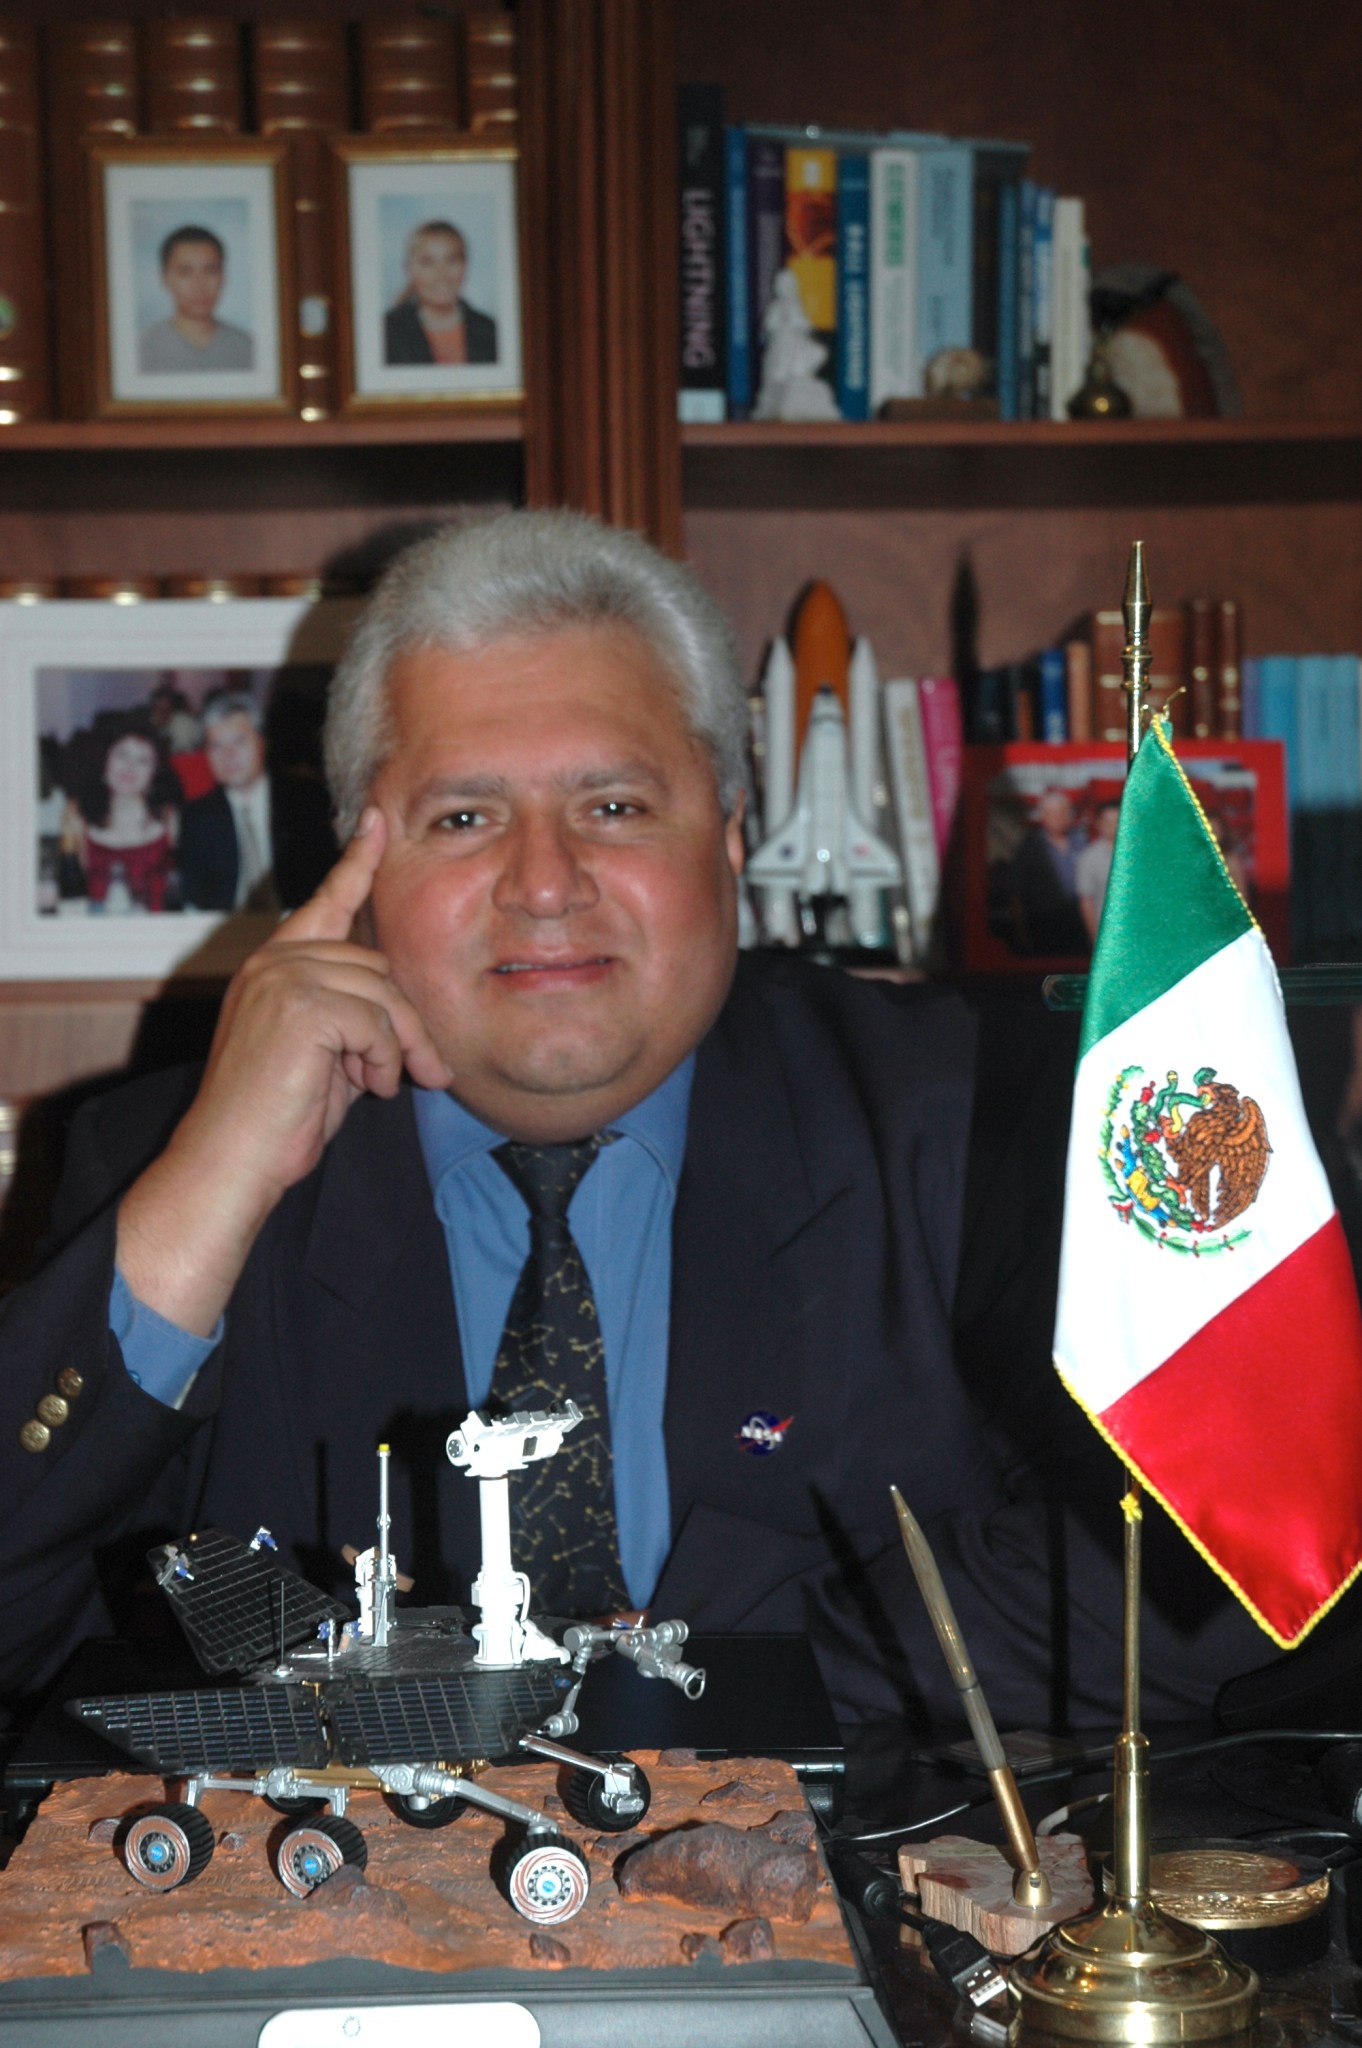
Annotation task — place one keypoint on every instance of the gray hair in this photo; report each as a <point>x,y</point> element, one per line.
<point>225,704</point>
<point>468,586</point>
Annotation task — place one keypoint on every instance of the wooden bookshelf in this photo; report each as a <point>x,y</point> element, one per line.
<point>1222,144</point>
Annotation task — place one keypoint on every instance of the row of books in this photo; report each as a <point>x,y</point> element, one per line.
<point>74,83</point>
<point>1312,703</point>
<point>907,249</point>
<point>1074,690</point>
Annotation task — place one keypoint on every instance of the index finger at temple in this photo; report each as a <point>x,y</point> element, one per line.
<point>330,913</point>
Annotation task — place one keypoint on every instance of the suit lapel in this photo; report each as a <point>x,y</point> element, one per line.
<point>384,1339</point>
<point>754,1250</point>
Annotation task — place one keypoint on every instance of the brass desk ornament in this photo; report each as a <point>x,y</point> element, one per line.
<point>1128,1971</point>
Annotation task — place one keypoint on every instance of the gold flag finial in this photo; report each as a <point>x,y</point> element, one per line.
<point>1135,654</point>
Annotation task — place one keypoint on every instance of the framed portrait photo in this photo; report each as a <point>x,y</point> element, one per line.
<point>1037,826</point>
<point>163,798</point>
<point>191,249</point>
<point>430,274</point>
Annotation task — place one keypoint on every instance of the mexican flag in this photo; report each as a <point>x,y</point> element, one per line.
<point>1208,1321</point>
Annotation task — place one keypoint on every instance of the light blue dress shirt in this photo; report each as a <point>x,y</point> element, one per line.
<point>621,1217</point>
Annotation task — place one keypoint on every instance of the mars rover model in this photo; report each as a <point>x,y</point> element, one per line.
<point>411,1702</point>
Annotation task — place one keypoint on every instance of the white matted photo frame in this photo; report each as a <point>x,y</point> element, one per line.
<point>162,794</point>
<point>192,262</point>
<point>429,270</point>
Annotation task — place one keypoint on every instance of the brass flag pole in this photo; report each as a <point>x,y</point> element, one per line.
<point>1126,1971</point>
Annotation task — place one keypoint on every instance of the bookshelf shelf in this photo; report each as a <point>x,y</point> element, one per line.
<point>944,464</point>
<point>96,437</point>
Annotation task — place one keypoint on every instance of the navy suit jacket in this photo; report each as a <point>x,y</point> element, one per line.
<point>816,1277</point>
<point>302,844</point>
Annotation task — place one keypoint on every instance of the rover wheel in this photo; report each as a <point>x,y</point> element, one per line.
<point>588,1800</point>
<point>308,1855</point>
<point>301,1808</point>
<point>546,1880</point>
<point>436,1813</point>
<point>168,1846</point>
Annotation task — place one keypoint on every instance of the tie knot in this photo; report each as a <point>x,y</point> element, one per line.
<point>547,1175</point>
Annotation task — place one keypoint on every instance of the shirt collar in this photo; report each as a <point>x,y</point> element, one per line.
<point>450,1134</point>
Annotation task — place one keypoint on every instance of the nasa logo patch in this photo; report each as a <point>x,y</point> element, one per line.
<point>761,1432</point>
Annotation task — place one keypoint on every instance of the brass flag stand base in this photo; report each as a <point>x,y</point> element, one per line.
<point>1127,1971</point>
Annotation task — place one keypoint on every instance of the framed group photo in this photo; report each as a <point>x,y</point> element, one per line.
<point>163,800</point>
<point>191,269</point>
<point>1037,826</point>
<point>429,269</point>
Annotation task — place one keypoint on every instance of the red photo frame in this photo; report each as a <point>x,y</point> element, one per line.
<point>1026,909</point>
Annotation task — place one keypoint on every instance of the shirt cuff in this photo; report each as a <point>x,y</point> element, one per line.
<point>158,1356</point>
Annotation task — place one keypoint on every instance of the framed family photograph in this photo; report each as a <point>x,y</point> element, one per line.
<point>429,269</point>
<point>1037,826</point>
<point>191,260</point>
<point>163,796</point>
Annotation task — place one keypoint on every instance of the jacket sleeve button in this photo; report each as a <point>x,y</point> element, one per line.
<point>69,1382</point>
<point>53,1410</point>
<point>35,1435</point>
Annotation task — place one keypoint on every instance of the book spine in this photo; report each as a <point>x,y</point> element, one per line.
<point>1069,357</point>
<point>302,92</point>
<point>703,389</point>
<point>1313,881</point>
<point>1078,688</point>
<point>811,233</point>
<point>94,94</point>
<point>491,74</point>
<point>1229,653</point>
<point>193,66</point>
<point>741,387</point>
<point>997,170</point>
<point>1108,694</point>
<point>1277,713</point>
<point>1201,663</point>
<point>893,276</point>
<point>1007,369</point>
<point>905,747</point>
<point>987,710</point>
<point>765,235</point>
<point>1251,697</point>
<point>1043,301</point>
<point>943,738</point>
<point>853,285</point>
<point>1026,301</point>
<point>408,72</point>
<point>1053,696</point>
<point>25,384</point>
<point>1313,737</point>
<point>945,215</point>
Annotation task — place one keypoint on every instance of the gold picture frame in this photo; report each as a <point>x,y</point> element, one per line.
<point>192,277</point>
<point>418,224</point>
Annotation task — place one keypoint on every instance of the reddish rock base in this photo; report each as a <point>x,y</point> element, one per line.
<point>426,1900</point>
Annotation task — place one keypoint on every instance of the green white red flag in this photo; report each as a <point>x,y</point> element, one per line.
<point>1208,1319</point>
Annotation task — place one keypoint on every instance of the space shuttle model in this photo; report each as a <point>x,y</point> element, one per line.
<point>821,868</point>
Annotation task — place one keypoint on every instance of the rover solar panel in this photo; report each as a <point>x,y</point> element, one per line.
<point>441,1719</point>
<point>236,1604</point>
<point>234,1729</point>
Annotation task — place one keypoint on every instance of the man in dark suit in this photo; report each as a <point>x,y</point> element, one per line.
<point>257,841</point>
<point>535,746</point>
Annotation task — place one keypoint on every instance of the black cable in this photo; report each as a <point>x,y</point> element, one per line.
<point>1075,1767</point>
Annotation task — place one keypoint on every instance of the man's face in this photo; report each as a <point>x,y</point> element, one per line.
<point>436,268</point>
<point>236,751</point>
<point>1056,815</point>
<point>193,277</point>
<point>557,891</point>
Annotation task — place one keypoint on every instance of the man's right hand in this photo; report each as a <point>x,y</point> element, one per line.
<point>311,1022</point>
